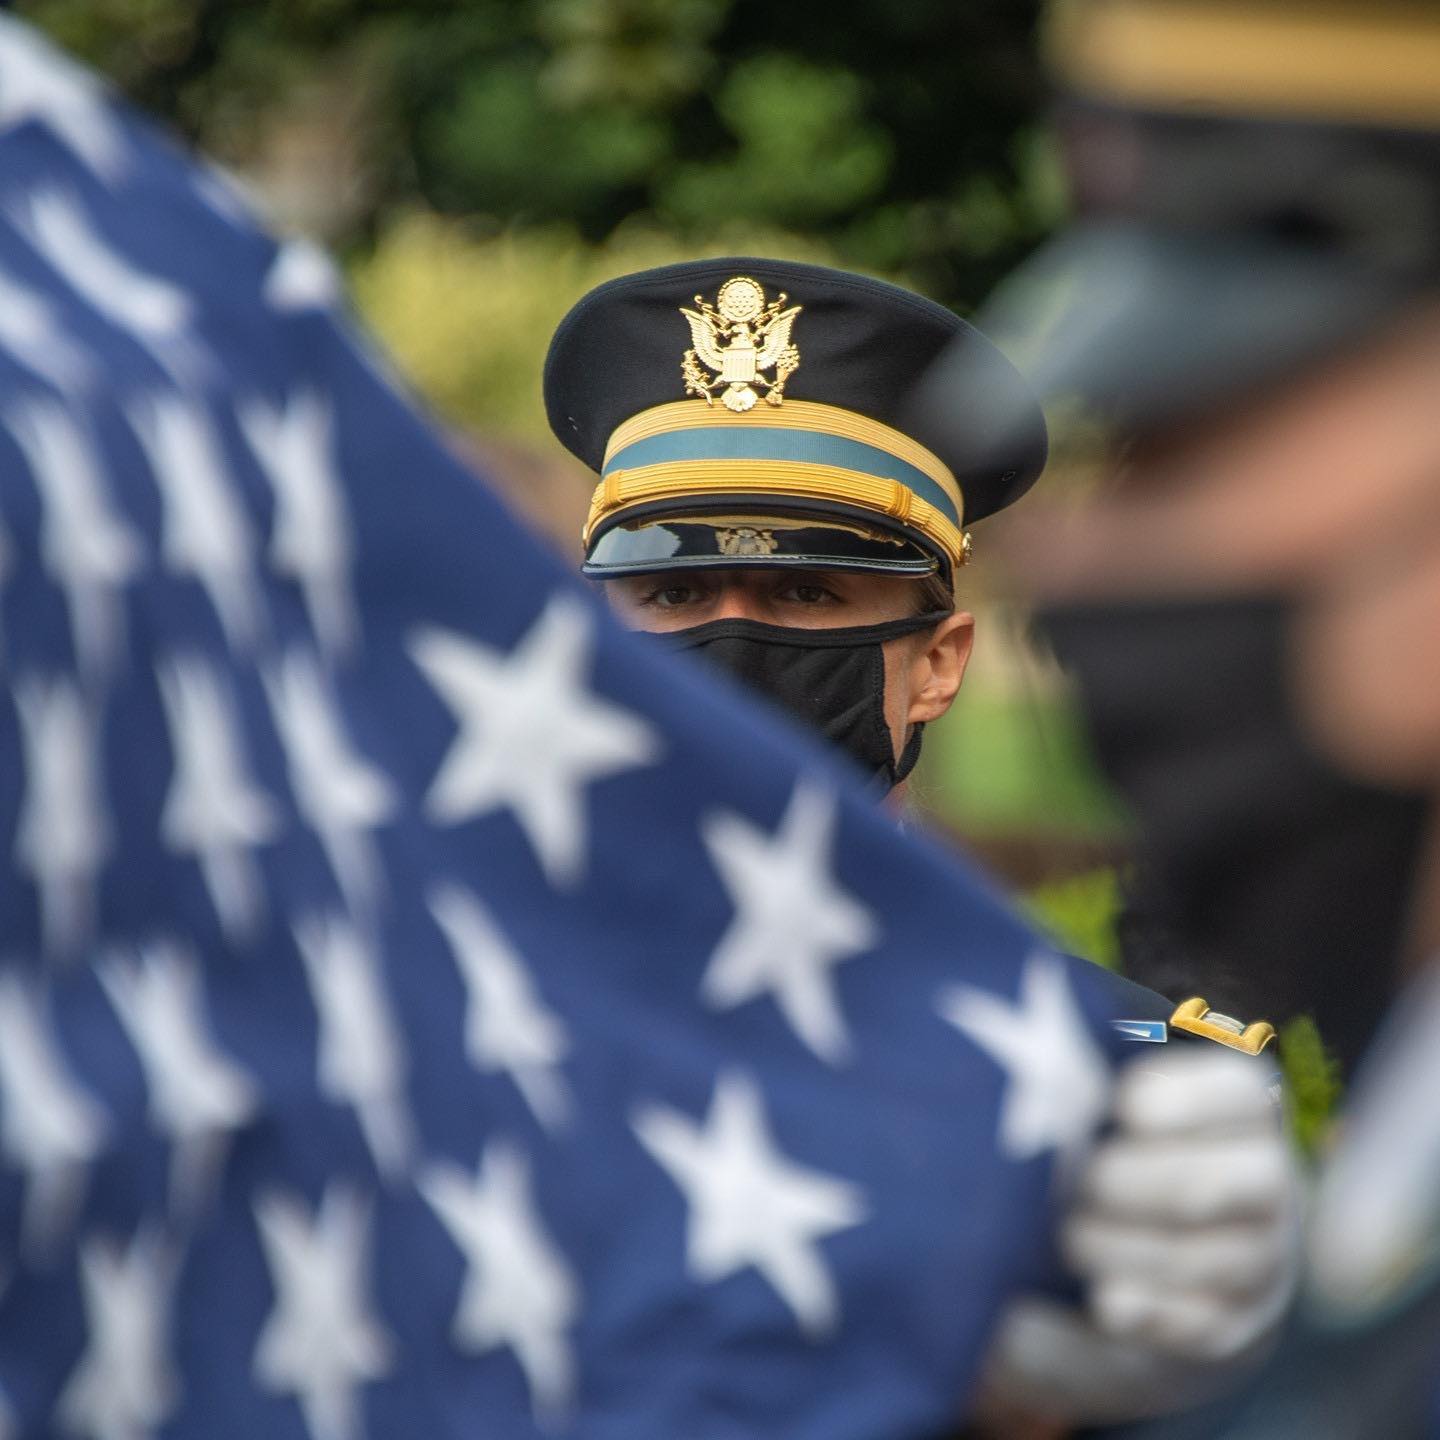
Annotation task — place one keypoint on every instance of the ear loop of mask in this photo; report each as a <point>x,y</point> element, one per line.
<point>909,756</point>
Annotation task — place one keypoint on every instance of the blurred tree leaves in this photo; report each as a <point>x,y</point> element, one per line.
<point>1079,913</point>
<point>804,156</point>
<point>498,151</point>
<point>901,135</point>
<point>469,315</point>
<point>1313,1085</point>
<point>640,52</point>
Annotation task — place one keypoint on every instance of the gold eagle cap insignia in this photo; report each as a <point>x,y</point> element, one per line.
<point>745,540</point>
<point>735,341</point>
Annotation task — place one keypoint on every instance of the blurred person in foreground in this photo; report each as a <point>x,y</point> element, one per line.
<point>769,500</point>
<point>1251,608</point>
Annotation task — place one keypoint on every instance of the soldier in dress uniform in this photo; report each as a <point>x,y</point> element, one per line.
<point>762,499</point>
<point>1252,297</point>
<point>769,497</point>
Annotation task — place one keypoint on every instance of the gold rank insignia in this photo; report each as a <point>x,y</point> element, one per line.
<point>738,337</point>
<point>1196,1018</point>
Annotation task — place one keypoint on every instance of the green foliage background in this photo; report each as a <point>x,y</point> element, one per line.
<point>469,313</point>
<point>903,136</point>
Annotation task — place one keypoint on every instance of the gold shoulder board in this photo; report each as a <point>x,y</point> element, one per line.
<point>1196,1018</point>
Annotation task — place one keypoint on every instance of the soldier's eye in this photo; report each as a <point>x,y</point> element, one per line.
<point>809,594</point>
<point>673,595</point>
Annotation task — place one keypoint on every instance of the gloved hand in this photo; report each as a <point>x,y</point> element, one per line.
<point>1183,1223</point>
<point>1185,1220</point>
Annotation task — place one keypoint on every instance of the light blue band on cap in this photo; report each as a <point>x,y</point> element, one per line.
<point>773,442</point>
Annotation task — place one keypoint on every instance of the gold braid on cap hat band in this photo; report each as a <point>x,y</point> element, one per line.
<point>804,451</point>
<point>1369,61</point>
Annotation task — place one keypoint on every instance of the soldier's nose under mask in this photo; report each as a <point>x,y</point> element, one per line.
<point>833,680</point>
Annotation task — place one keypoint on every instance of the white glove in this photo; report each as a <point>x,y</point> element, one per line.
<point>1185,1220</point>
<point>1184,1224</point>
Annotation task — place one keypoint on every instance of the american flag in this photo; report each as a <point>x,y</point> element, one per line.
<point>425,1011</point>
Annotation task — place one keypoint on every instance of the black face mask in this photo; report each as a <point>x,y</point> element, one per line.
<point>1269,882</point>
<point>833,680</point>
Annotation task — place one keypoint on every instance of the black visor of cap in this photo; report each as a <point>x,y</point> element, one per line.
<point>1145,325</point>
<point>739,541</point>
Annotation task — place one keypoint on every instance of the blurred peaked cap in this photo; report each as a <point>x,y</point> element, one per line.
<point>1257,184</point>
<point>745,390</point>
<point>1145,325</point>
<point>1369,62</point>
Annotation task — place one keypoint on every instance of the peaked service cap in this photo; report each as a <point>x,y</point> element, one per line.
<point>746,411</point>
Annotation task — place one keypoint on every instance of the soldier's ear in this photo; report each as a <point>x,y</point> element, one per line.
<point>938,667</point>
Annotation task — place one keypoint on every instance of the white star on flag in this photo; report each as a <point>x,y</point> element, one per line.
<point>198,1095</point>
<point>38,83</point>
<point>320,1342</point>
<point>155,313</point>
<point>311,540</point>
<point>361,1058</point>
<point>750,1204</point>
<point>302,277</point>
<point>519,1291</point>
<point>206,533</point>
<point>213,809</point>
<point>124,1385</point>
<point>531,735</point>
<point>63,835</point>
<point>793,923</point>
<point>1056,1080</point>
<point>31,335</point>
<point>508,1026</point>
<point>88,550</point>
<point>49,1127</point>
<point>340,795</point>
